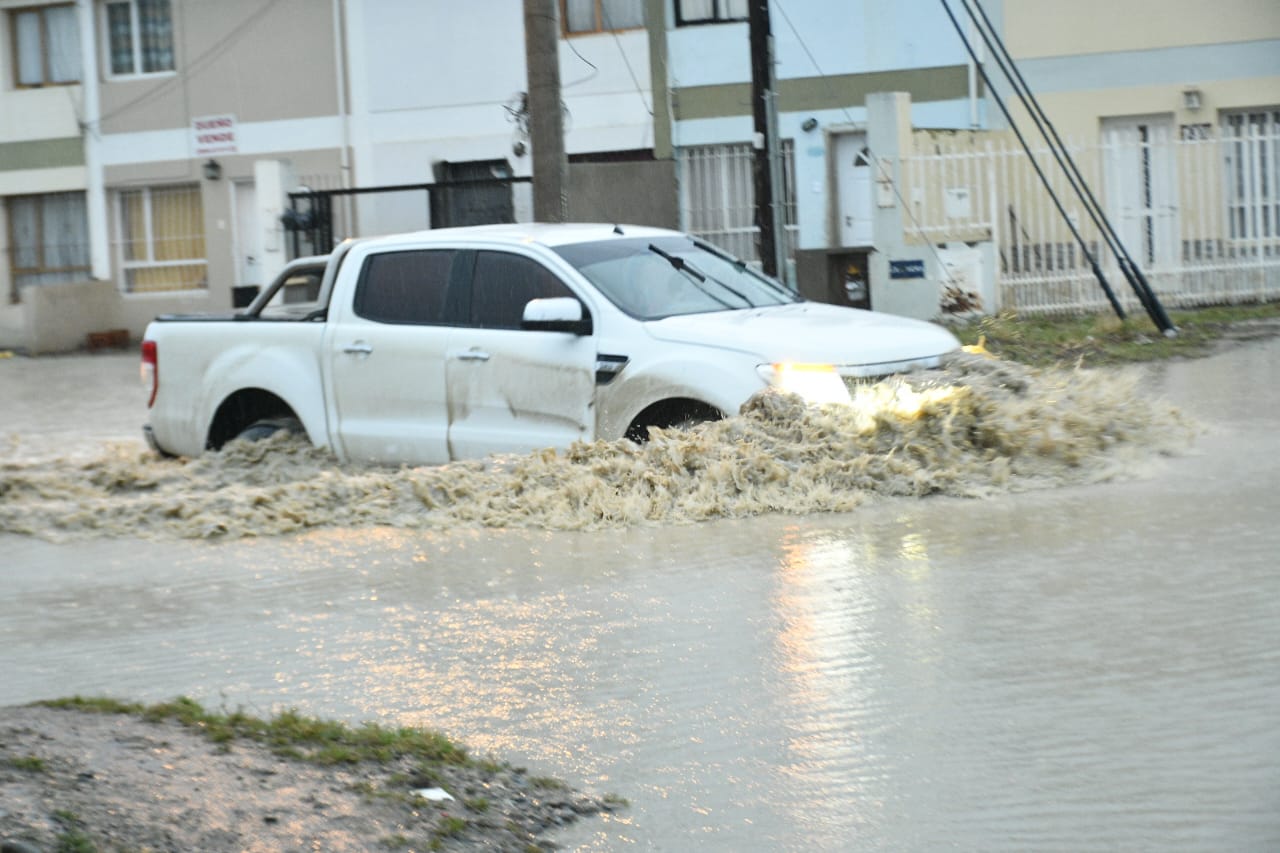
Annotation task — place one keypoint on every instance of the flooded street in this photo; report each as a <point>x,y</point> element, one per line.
<point>1077,668</point>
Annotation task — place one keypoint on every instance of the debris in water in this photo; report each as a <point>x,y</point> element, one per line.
<point>978,426</point>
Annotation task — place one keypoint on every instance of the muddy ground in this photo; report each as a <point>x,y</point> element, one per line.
<point>73,780</point>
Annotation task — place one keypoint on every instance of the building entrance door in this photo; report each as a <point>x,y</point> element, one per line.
<point>248,236</point>
<point>1141,186</point>
<point>853,193</point>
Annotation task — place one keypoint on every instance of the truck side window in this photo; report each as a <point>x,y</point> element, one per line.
<point>504,283</point>
<point>404,287</point>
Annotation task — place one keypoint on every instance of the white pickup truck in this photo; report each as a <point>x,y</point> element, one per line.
<point>457,343</point>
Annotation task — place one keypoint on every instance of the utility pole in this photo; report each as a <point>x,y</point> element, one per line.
<point>546,117</point>
<point>770,243</point>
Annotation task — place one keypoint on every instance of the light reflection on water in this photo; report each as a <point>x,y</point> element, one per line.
<point>1084,668</point>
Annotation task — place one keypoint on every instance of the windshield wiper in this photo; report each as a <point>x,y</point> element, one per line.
<point>686,267</point>
<point>743,267</point>
<point>681,265</point>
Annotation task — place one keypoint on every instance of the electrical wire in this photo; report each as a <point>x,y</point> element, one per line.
<point>604,20</point>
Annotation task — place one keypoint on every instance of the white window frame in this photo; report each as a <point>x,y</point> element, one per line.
<point>135,30</point>
<point>149,242</point>
<point>1251,161</point>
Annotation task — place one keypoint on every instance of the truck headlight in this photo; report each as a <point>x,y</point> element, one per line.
<point>814,383</point>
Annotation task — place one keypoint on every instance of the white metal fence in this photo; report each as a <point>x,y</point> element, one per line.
<point>717,196</point>
<point>1198,211</point>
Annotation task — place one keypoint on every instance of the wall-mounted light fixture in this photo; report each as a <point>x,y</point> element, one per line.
<point>212,170</point>
<point>808,124</point>
<point>1191,98</point>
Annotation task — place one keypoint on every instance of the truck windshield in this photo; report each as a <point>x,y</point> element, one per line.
<point>655,277</point>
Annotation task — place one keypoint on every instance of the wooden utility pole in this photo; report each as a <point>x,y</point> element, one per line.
<point>769,244</point>
<point>546,117</point>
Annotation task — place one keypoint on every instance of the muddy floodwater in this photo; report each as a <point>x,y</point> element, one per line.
<point>1075,650</point>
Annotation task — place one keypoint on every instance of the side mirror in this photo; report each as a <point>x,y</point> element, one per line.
<point>561,314</point>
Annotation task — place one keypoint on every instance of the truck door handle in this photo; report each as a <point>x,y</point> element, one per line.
<point>358,348</point>
<point>472,355</point>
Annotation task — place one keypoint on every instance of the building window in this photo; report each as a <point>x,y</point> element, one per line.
<point>140,36</point>
<point>160,239</point>
<point>601,16</point>
<point>1252,142</point>
<point>709,11</point>
<point>48,239</point>
<point>46,46</point>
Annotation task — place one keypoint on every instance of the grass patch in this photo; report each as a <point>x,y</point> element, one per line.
<point>29,763</point>
<point>71,839</point>
<point>1104,339</point>
<point>289,734</point>
<point>547,783</point>
<point>451,826</point>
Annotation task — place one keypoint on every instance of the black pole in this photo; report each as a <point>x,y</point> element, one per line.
<point>762,164</point>
<point>1004,108</point>
<point>1128,266</point>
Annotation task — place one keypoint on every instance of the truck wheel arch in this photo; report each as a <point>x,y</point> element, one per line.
<point>671,412</point>
<point>243,409</point>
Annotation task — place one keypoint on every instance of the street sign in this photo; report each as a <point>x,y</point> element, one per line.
<point>906,269</point>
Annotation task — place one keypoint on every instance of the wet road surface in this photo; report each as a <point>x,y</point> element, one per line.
<point>1082,668</point>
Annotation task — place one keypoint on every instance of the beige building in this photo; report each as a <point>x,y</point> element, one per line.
<point>129,133</point>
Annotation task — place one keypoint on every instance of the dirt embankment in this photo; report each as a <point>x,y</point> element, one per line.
<point>72,780</point>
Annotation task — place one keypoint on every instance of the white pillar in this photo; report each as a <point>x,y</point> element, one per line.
<point>273,179</point>
<point>91,130</point>
<point>889,139</point>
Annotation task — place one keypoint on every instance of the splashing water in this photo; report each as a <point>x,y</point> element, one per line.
<point>976,427</point>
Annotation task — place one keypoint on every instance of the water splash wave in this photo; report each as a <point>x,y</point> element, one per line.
<point>976,427</point>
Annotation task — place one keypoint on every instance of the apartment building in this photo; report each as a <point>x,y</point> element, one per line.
<point>150,149</point>
<point>128,144</point>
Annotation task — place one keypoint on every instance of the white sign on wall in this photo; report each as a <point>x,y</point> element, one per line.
<point>213,135</point>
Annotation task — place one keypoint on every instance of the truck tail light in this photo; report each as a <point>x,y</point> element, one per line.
<point>150,371</point>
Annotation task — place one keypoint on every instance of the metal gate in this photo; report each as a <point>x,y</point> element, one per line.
<point>317,220</point>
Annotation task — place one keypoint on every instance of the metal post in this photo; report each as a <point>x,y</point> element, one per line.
<point>765,141</point>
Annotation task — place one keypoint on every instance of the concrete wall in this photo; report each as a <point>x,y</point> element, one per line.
<point>59,316</point>
<point>1143,59</point>
<point>258,60</point>
<point>453,105</point>
<point>636,193</point>
<point>1041,28</point>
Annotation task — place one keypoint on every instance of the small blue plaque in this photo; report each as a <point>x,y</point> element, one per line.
<point>906,269</point>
